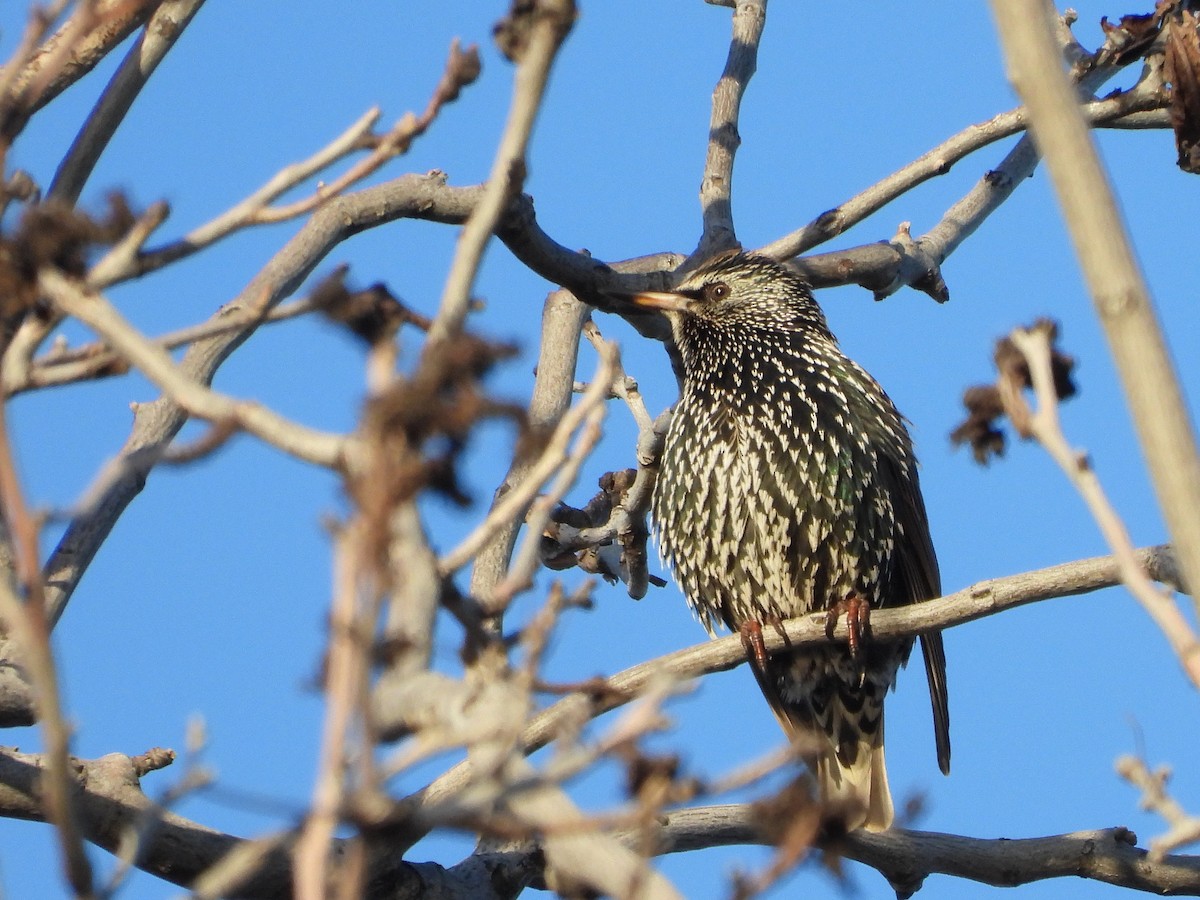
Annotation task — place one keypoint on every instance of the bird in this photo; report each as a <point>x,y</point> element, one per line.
<point>787,485</point>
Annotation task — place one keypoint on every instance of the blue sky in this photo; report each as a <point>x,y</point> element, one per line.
<point>210,598</point>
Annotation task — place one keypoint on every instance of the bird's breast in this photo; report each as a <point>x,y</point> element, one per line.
<point>765,506</point>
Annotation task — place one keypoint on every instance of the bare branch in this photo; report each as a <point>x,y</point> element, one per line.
<point>749,18</point>
<point>27,623</point>
<point>23,66</point>
<point>622,503</point>
<point>240,215</point>
<point>525,564</point>
<point>157,423</point>
<point>461,70</point>
<point>1110,112</point>
<point>180,851</point>
<point>1118,290</point>
<point>1185,829</point>
<point>34,78</point>
<point>123,256</point>
<point>562,317</point>
<point>61,365</point>
<point>167,23</point>
<point>510,506</point>
<point>578,855</point>
<point>548,23</point>
<point>347,669</point>
<point>18,706</point>
<point>907,857</point>
<point>1043,424</point>
<point>298,440</point>
<point>982,599</point>
<point>884,268</point>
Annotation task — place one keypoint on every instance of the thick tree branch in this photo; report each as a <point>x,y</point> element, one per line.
<point>906,857</point>
<point>111,802</point>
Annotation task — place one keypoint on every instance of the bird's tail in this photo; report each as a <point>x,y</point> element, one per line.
<point>857,789</point>
<point>837,726</point>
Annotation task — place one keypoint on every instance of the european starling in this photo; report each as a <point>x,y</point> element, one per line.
<point>788,486</point>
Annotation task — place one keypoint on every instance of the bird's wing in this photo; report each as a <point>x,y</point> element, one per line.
<point>916,578</point>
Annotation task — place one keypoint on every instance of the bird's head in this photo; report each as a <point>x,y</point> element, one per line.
<point>738,291</point>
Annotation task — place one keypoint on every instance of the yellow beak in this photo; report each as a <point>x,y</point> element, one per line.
<point>663,300</point>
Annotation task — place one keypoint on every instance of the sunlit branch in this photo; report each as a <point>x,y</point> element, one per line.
<point>982,599</point>
<point>1118,289</point>
<point>298,440</point>
<point>749,18</point>
<point>166,24</point>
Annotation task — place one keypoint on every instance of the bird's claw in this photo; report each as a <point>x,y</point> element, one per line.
<point>752,640</point>
<point>858,622</point>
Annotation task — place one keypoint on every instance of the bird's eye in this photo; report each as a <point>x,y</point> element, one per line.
<point>718,290</point>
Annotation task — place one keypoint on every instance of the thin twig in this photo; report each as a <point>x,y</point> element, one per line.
<point>551,459</point>
<point>461,69</point>
<point>61,366</point>
<point>749,19</point>
<point>623,387</point>
<point>551,22</point>
<point>1110,112</point>
<point>122,257</point>
<point>563,315</point>
<point>243,213</point>
<point>626,522</point>
<point>320,448</point>
<point>1043,424</point>
<point>28,622</point>
<point>1185,829</point>
<point>525,562</point>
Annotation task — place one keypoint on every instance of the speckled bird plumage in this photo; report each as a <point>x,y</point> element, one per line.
<point>787,484</point>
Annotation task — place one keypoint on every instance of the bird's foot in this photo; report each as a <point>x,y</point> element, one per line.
<point>756,653</point>
<point>857,611</point>
<point>752,641</point>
